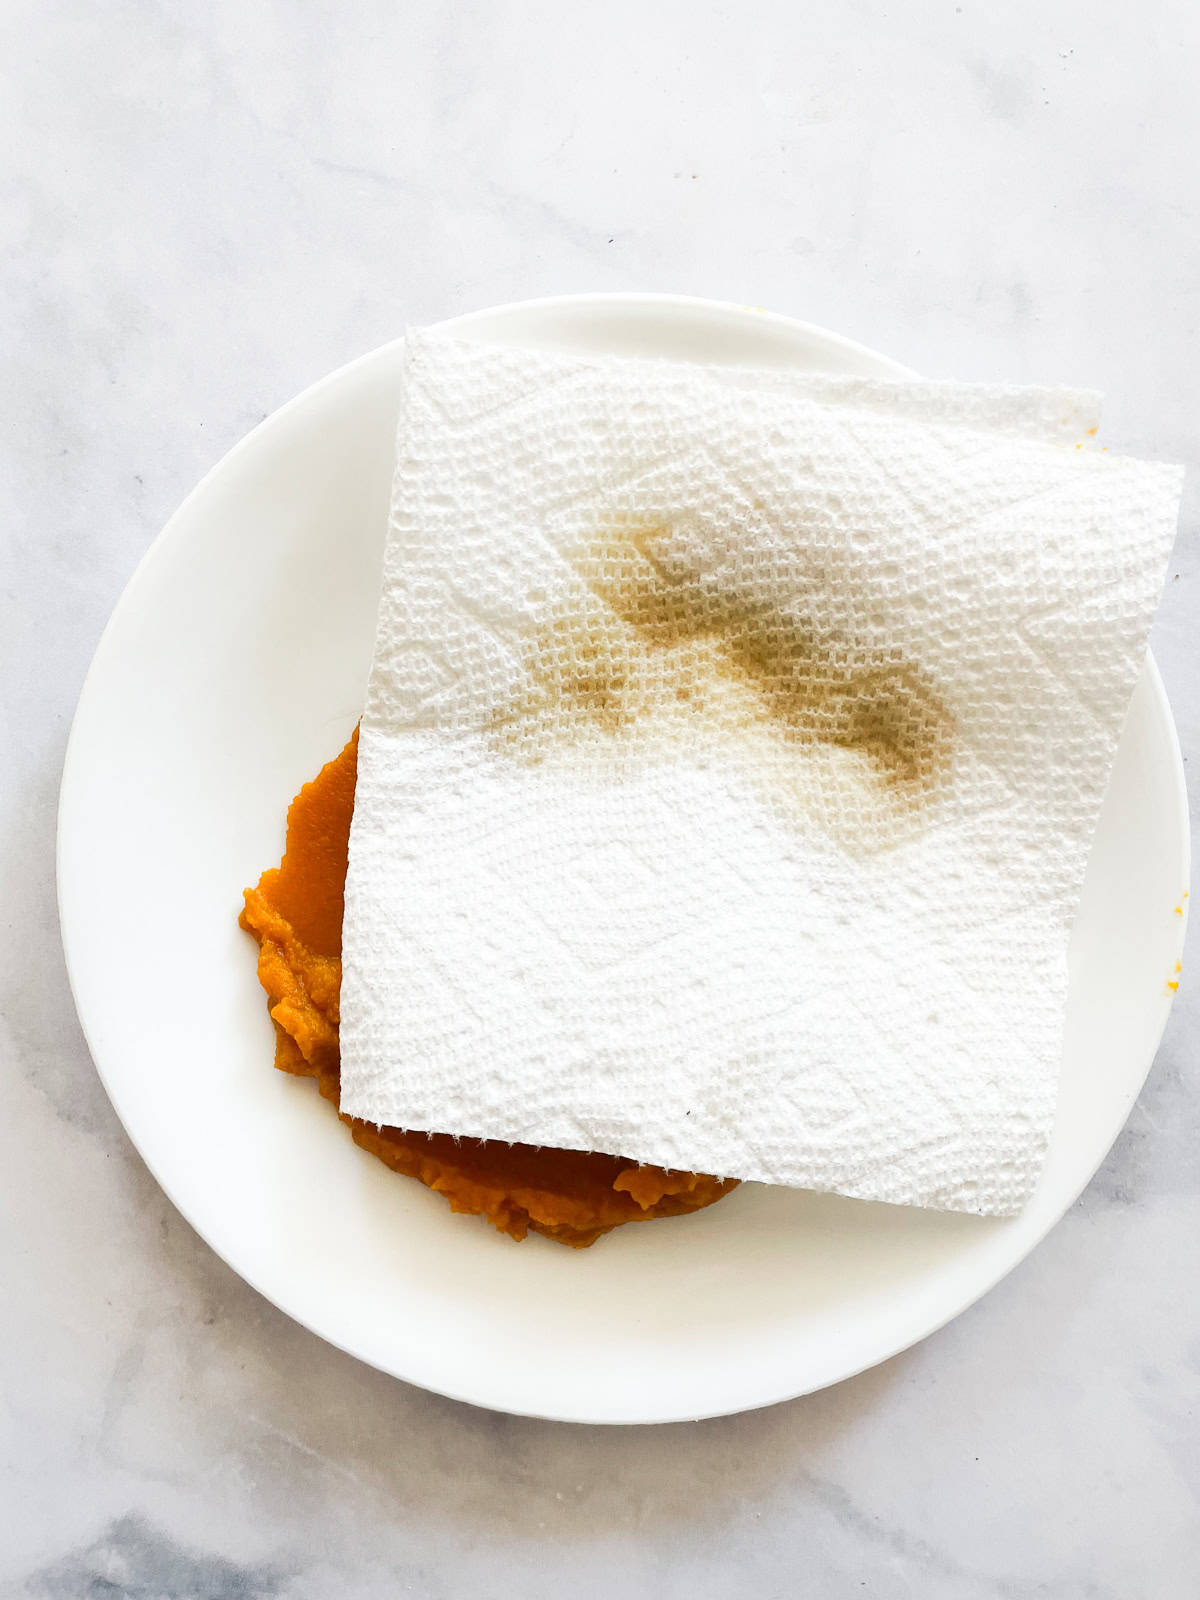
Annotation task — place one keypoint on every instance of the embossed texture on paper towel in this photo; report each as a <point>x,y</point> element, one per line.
<point>733,746</point>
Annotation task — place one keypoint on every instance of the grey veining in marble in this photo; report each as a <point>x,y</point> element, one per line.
<point>204,208</point>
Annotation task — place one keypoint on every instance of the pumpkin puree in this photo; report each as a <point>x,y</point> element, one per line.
<point>295,913</point>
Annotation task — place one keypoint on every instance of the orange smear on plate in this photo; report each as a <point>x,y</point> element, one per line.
<point>295,913</point>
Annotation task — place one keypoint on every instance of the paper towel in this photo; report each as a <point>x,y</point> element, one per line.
<point>733,745</point>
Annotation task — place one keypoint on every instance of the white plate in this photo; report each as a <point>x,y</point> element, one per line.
<point>232,668</point>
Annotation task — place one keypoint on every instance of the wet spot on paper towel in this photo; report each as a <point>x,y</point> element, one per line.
<point>649,653</point>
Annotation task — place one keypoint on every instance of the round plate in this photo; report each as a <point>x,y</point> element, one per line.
<point>232,668</point>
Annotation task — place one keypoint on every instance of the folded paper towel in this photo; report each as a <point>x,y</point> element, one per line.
<point>733,746</point>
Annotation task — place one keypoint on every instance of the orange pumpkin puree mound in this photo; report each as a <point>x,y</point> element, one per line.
<point>295,913</point>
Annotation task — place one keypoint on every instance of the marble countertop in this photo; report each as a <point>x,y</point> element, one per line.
<point>205,209</point>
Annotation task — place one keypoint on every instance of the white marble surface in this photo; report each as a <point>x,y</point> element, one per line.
<point>203,209</point>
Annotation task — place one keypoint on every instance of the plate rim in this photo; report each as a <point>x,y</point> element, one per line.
<point>162,543</point>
